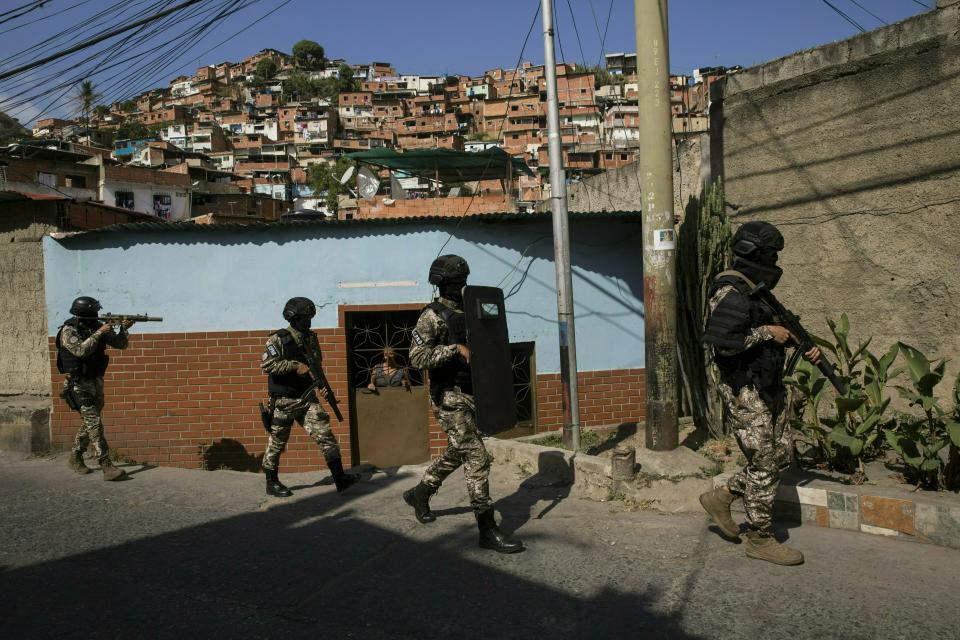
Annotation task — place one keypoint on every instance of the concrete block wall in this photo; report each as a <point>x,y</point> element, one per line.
<point>850,149</point>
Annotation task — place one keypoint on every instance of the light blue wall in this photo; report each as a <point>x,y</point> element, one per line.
<point>224,280</point>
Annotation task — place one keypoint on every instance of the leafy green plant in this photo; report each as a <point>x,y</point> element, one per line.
<point>920,440</point>
<point>845,433</point>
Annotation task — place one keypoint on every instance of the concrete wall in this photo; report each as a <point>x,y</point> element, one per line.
<point>852,151</point>
<point>23,323</point>
<point>619,189</point>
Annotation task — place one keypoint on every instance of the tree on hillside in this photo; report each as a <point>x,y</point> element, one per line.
<point>11,129</point>
<point>132,131</point>
<point>325,178</point>
<point>308,54</point>
<point>266,69</point>
<point>86,97</point>
<point>346,80</point>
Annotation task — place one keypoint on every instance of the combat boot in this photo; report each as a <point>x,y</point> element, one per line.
<point>341,478</point>
<point>763,546</point>
<point>75,462</point>
<point>111,472</point>
<point>419,499</point>
<point>492,538</point>
<point>274,486</point>
<point>717,505</point>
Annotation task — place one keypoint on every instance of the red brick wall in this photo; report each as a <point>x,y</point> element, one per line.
<point>606,397</point>
<point>170,396</point>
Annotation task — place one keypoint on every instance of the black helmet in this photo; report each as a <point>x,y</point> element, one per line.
<point>298,308</point>
<point>85,307</point>
<point>755,235</point>
<point>448,268</point>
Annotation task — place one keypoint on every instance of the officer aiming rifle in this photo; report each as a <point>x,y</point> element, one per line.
<point>82,344</point>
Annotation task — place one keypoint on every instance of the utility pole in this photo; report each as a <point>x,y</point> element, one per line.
<point>659,241</point>
<point>561,242</point>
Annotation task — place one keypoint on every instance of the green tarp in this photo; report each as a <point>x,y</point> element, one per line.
<point>446,164</point>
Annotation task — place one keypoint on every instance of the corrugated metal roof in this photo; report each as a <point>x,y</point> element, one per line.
<point>190,227</point>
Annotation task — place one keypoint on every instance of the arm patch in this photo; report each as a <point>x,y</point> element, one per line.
<point>272,350</point>
<point>417,338</point>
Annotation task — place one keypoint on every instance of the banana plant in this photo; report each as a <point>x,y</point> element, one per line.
<point>920,439</point>
<point>852,430</point>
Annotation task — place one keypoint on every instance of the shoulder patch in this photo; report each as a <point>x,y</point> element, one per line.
<point>73,339</point>
<point>417,338</point>
<point>271,350</point>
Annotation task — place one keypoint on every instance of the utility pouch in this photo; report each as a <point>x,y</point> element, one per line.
<point>70,397</point>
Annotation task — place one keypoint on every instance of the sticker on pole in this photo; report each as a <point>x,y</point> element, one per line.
<point>663,240</point>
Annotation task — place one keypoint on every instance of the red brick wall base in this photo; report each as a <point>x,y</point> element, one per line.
<point>190,400</point>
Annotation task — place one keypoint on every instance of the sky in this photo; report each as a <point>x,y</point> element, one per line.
<point>434,37</point>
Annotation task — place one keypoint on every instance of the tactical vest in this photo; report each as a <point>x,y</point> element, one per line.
<point>292,384</point>
<point>455,373</point>
<point>94,365</point>
<point>761,365</point>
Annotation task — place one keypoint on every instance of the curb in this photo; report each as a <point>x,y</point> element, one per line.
<point>591,477</point>
<point>810,500</point>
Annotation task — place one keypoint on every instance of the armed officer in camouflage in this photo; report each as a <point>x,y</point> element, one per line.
<point>287,360</point>
<point>439,347</point>
<point>82,343</point>
<point>749,348</point>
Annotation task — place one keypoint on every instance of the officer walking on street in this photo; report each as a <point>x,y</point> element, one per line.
<point>82,343</point>
<point>287,360</point>
<point>749,348</point>
<point>439,346</point>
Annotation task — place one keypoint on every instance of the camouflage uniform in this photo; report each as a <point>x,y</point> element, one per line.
<point>455,411</point>
<point>83,342</point>
<point>308,412</point>
<point>762,430</point>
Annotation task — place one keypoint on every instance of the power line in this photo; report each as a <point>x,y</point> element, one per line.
<point>47,17</point>
<point>89,43</point>
<point>923,4</point>
<point>869,12</point>
<point>27,8</point>
<point>845,16</point>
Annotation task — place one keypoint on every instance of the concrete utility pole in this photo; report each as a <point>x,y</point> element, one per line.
<point>659,242</point>
<point>561,242</point>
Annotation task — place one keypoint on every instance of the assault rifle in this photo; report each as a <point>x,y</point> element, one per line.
<point>805,342</point>
<point>320,382</point>
<point>115,319</point>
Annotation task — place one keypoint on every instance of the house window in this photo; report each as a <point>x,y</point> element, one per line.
<point>47,179</point>
<point>623,156</point>
<point>77,182</point>
<point>609,156</point>
<point>123,199</point>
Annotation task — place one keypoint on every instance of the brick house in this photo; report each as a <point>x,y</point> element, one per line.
<point>193,382</point>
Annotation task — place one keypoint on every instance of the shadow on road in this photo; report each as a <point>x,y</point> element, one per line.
<point>311,568</point>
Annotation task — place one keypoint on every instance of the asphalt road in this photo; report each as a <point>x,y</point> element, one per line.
<point>172,553</point>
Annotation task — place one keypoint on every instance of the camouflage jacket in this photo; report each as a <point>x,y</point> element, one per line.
<point>756,335</point>
<point>273,361</point>
<point>82,342</point>
<point>428,347</point>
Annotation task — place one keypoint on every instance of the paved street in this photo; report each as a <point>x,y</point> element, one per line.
<point>174,554</point>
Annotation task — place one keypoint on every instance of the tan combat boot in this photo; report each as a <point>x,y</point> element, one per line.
<point>75,462</point>
<point>763,546</point>
<point>717,505</point>
<point>110,472</point>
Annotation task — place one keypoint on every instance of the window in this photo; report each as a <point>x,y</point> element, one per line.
<point>47,179</point>
<point>623,156</point>
<point>77,182</point>
<point>124,199</point>
<point>609,156</point>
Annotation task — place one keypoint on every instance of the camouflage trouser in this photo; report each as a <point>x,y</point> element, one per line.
<point>90,394</point>
<point>765,439</point>
<point>457,416</point>
<point>315,422</point>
